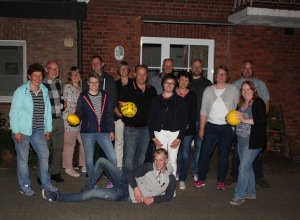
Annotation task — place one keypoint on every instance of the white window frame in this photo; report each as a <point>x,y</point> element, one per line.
<point>165,50</point>
<point>17,43</point>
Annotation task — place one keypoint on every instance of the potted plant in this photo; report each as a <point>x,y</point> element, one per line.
<point>269,143</point>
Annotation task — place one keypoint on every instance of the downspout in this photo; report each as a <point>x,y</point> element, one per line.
<point>79,45</point>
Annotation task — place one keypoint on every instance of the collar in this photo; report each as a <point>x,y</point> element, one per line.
<point>50,81</point>
<point>135,85</point>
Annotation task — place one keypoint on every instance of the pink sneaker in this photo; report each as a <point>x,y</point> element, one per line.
<point>221,185</point>
<point>110,185</point>
<point>199,183</point>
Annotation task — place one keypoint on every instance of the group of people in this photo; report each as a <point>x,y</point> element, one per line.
<point>172,112</point>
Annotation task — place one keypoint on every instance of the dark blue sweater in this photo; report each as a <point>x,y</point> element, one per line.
<point>86,112</point>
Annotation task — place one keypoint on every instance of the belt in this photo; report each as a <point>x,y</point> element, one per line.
<point>56,117</point>
<point>134,127</point>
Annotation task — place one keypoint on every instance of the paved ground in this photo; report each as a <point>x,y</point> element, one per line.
<point>280,201</point>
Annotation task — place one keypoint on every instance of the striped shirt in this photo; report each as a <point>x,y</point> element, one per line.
<point>38,109</point>
<point>96,101</point>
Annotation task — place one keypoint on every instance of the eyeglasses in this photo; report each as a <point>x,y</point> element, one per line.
<point>53,69</point>
<point>169,84</point>
<point>196,67</point>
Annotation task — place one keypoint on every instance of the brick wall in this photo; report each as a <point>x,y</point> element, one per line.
<point>276,56</point>
<point>44,40</point>
<point>118,22</point>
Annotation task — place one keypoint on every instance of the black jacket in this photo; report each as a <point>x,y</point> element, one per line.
<point>258,133</point>
<point>171,114</point>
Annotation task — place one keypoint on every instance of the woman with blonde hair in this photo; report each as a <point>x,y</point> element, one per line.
<point>71,92</point>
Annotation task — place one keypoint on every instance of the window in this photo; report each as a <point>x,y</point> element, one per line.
<point>182,50</point>
<point>12,67</point>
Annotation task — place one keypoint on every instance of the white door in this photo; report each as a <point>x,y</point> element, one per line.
<point>182,50</point>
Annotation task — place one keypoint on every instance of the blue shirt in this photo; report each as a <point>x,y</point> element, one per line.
<point>259,85</point>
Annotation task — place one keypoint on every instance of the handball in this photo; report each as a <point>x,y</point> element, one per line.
<point>128,109</point>
<point>73,119</point>
<point>232,119</point>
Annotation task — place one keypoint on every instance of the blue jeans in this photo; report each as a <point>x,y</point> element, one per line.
<point>213,134</point>
<point>89,140</point>
<point>197,149</point>
<point>135,146</point>
<point>39,145</point>
<point>257,164</point>
<point>183,157</point>
<point>246,180</point>
<point>118,193</point>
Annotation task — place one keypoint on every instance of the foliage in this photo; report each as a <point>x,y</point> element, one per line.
<point>7,147</point>
<point>3,120</point>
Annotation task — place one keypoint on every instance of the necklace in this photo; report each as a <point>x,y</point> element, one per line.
<point>182,92</point>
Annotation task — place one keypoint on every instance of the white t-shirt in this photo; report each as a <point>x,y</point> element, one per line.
<point>218,110</point>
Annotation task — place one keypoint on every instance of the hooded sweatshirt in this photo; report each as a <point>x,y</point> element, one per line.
<point>152,182</point>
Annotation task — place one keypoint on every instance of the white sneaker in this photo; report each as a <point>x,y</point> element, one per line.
<point>177,176</point>
<point>182,185</point>
<point>83,169</point>
<point>72,172</point>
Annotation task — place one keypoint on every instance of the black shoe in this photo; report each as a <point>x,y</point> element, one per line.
<point>39,181</point>
<point>49,196</point>
<point>57,178</point>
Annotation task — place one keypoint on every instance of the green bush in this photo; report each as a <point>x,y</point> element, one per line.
<point>7,147</point>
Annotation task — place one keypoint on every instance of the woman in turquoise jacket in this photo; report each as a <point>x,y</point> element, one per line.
<point>31,123</point>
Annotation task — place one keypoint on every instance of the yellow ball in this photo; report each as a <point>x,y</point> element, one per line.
<point>73,119</point>
<point>128,109</point>
<point>232,119</point>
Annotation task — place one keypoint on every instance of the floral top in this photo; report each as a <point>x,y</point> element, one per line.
<point>71,95</point>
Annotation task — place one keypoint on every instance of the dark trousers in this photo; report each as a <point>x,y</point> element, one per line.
<point>149,153</point>
<point>257,164</point>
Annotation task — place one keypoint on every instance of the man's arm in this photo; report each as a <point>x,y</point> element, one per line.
<point>267,106</point>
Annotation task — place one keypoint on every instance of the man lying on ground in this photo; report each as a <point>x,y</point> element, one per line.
<point>149,183</point>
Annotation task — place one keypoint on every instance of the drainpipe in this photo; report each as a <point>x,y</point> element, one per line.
<point>79,45</point>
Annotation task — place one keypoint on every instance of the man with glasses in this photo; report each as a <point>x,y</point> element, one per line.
<point>149,183</point>
<point>136,135</point>
<point>199,84</point>
<point>167,68</point>
<point>54,86</point>
<point>247,75</point>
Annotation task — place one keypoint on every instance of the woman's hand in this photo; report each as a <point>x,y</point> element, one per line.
<point>112,136</point>
<point>201,133</point>
<point>244,119</point>
<point>240,116</point>
<point>47,136</point>
<point>175,143</point>
<point>18,137</point>
<point>157,143</point>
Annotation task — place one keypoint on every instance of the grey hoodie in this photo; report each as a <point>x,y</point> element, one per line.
<point>152,182</point>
